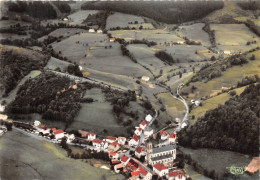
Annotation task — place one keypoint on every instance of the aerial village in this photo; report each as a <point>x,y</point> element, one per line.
<point>140,156</point>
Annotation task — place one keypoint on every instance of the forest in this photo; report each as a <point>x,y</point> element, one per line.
<point>163,11</point>
<point>165,57</point>
<point>233,126</point>
<point>14,65</point>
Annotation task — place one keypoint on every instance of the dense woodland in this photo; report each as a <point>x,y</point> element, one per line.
<point>233,126</point>
<point>51,96</point>
<point>165,57</point>
<point>250,5</point>
<point>15,64</point>
<point>163,11</point>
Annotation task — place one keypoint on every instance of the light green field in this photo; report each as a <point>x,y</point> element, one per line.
<point>78,17</point>
<point>54,63</point>
<point>229,78</point>
<point>157,35</point>
<point>23,157</point>
<point>232,34</point>
<point>212,103</point>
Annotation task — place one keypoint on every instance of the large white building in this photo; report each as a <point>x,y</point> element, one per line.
<point>162,154</point>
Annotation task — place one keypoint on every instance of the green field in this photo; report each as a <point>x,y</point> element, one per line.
<point>23,157</point>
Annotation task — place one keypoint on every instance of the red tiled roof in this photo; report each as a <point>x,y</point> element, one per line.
<point>135,173</point>
<point>115,144</point>
<point>163,133</point>
<point>139,149</point>
<point>112,153</point>
<point>112,38</point>
<point>124,158</point>
<point>115,161</point>
<point>110,137</point>
<point>58,131</point>
<point>143,171</point>
<point>97,141</point>
<point>159,166</point>
<point>54,129</point>
<point>173,135</point>
<point>180,176</point>
<point>136,138</point>
<point>139,129</point>
<point>174,173</point>
<point>143,123</point>
<point>92,134</point>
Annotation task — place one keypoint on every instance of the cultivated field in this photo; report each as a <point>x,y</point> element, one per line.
<point>126,20</point>
<point>194,32</point>
<point>23,157</point>
<point>160,36</point>
<point>78,17</point>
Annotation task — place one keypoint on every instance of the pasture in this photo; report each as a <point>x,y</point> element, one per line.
<point>78,17</point>
<point>54,63</point>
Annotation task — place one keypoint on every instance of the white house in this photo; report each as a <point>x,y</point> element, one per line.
<point>148,132</point>
<point>121,140</point>
<point>145,78</point>
<point>197,102</point>
<point>99,31</point>
<point>164,135</point>
<point>143,125</point>
<point>175,175</point>
<point>3,117</point>
<point>59,134</point>
<point>148,118</point>
<point>91,136</point>
<point>180,42</point>
<point>140,151</point>
<point>65,19</point>
<point>37,123</point>
<point>172,138</point>
<point>114,146</point>
<point>111,139</point>
<point>2,108</point>
<point>99,143</point>
<point>3,128</point>
<point>113,155</point>
<point>91,30</point>
<point>134,141</point>
<point>70,138</point>
<point>124,160</point>
<point>138,131</point>
<point>144,174</point>
<point>160,169</point>
<point>227,52</point>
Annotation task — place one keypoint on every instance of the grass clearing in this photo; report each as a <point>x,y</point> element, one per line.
<point>54,63</point>
<point>78,17</point>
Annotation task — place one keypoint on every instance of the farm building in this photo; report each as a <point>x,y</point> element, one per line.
<point>145,78</point>
<point>91,30</point>
<point>112,39</point>
<point>99,31</point>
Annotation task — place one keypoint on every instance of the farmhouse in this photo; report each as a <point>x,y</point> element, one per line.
<point>138,131</point>
<point>164,135</point>
<point>110,139</point>
<point>91,30</point>
<point>172,138</point>
<point>99,143</point>
<point>65,19</point>
<point>99,31</point>
<point>121,140</point>
<point>124,160</point>
<point>180,42</point>
<point>160,169</point>
<point>148,118</point>
<point>3,117</point>
<point>91,136</point>
<point>162,154</point>
<point>114,146</point>
<point>134,140</point>
<point>143,125</point>
<point>59,134</point>
<point>112,39</point>
<point>113,155</point>
<point>140,151</point>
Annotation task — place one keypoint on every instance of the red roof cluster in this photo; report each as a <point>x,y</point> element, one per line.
<point>143,171</point>
<point>159,166</point>
<point>115,161</point>
<point>139,149</point>
<point>91,134</point>
<point>173,135</point>
<point>112,153</point>
<point>172,174</point>
<point>135,137</point>
<point>124,158</point>
<point>163,133</point>
<point>135,173</point>
<point>98,141</point>
<point>115,144</point>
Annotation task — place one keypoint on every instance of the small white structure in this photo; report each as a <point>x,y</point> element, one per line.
<point>114,146</point>
<point>180,42</point>
<point>70,138</point>
<point>91,136</point>
<point>1,132</point>
<point>37,123</point>
<point>121,140</point>
<point>148,118</point>
<point>148,132</point>
<point>192,101</point>
<point>99,31</point>
<point>164,135</point>
<point>160,169</point>
<point>138,131</point>
<point>80,68</point>
<point>140,151</point>
<point>99,143</point>
<point>143,125</point>
<point>134,141</point>
<point>59,134</point>
<point>3,117</point>
<point>112,39</point>
<point>91,30</point>
<point>2,108</point>
<point>184,124</point>
<point>65,19</point>
<point>145,78</point>
<point>3,128</point>
<point>227,52</point>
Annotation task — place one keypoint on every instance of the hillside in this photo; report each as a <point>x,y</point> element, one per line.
<point>163,11</point>
<point>232,126</point>
<point>15,63</point>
